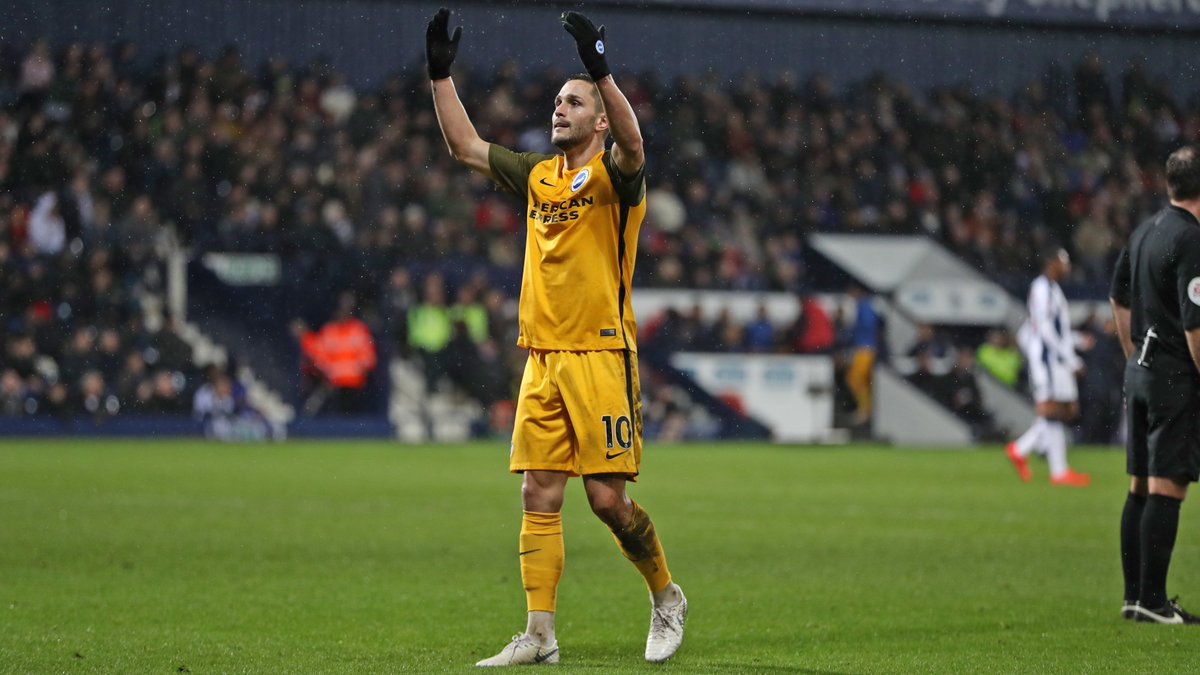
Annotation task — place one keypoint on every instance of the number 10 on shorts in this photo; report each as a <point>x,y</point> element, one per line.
<point>623,431</point>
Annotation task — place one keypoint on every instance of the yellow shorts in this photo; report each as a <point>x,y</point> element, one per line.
<point>579,413</point>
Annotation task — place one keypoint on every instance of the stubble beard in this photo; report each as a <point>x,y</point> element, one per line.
<point>575,137</point>
<point>569,142</point>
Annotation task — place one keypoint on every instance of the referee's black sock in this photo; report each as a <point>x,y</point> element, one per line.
<point>1160,522</point>
<point>1131,558</point>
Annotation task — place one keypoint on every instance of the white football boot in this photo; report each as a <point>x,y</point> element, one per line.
<point>666,630</point>
<point>523,651</point>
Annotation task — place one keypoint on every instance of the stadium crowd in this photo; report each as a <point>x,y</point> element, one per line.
<point>108,155</point>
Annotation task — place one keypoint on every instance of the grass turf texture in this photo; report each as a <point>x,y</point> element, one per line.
<point>179,556</point>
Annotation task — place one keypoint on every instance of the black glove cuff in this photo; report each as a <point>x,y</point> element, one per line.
<point>598,71</point>
<point>438,71</point>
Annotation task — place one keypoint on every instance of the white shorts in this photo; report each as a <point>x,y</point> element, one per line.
<point>1052,381</point>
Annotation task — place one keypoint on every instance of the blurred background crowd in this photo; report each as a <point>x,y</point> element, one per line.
<point>109,157</point>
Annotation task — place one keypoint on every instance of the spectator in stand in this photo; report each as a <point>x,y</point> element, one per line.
<point>863,350</point>
<point>725,334</point>
<point>221,408</point>
<point>502,348</point>
<point>468,310</point>
<point>472,358</point>
<point>47,229</point>
<point>693,333</point>
<point>957,390</point>
<point>14,396</point>
<point>94,399</point>
<point>166,395</point>
<point>923,377</point>
<point>1101,387</point>
<point>79,354</point>
<point>658,333</point>
<point>109,356</point>
<point>398,298</point>
<point>759,334</point>
<point>170,351</point>
<point>22,356</point>
<point>812,332</point>
<point>931,340</point>
<point>1000,358</point>
<point>429,329</point>
<point>465,367</point>
<point>343,355</point>
<point>131,379</point>
<point>965,398</point>
<point>666,410</point>
<point>312,380</point>
<point>140,227</point>
<point>37,69</point>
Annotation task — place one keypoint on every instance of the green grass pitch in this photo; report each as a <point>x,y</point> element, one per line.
<point>351,557</point>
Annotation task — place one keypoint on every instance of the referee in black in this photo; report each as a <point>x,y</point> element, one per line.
<point>1156,302</point>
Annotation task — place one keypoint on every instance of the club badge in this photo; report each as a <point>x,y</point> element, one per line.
<point>583,176</point>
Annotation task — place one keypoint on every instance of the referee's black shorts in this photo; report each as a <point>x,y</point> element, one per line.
<point>1162,405</point>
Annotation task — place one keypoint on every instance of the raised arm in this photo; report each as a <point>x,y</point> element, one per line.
<point>627,152</point>
<point>463,141</point>
<point>623,125</point>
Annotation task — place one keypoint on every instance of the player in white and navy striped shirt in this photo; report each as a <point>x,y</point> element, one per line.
<point>1049,347</point>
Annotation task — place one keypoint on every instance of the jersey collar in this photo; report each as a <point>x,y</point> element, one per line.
<point>1184,213</point>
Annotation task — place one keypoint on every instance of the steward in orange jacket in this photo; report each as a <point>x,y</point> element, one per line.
<point>342,351</point>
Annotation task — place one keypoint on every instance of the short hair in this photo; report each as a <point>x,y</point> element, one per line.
<point>584,77</point>
<point>1183,174</point>
<point>1051,252</point>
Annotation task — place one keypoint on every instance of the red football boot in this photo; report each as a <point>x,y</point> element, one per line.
<point>1071,479</point>
<point>1018,462</point>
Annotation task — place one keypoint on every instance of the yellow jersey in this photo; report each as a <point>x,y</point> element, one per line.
<point>581,241</point>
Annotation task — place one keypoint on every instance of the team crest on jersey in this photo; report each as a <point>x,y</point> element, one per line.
<point>1194,291</point>
<point>581,180</point>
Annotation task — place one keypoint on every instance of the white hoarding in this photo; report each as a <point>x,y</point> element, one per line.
<point>791,395</point>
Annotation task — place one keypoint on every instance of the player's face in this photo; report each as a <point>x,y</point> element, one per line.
<point>577,117</point>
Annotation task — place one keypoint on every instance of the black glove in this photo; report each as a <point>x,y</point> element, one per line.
<point>590,42</point>
<point>440,46</point>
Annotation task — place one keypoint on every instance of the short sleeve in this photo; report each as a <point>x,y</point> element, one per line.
<point>630,189</point>
<point>1121,288</point>
<point>1188,278</point>
<point>511,169</point>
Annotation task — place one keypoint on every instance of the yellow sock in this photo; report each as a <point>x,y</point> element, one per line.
<point>639,543</point>
<point>542,558</point>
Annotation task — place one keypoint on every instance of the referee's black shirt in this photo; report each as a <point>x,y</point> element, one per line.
<point>1158,279</point>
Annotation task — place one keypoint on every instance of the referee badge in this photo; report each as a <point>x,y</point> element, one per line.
<point>1194,290</point>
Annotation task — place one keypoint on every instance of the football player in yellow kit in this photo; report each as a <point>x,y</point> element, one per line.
<point>579,408</point>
